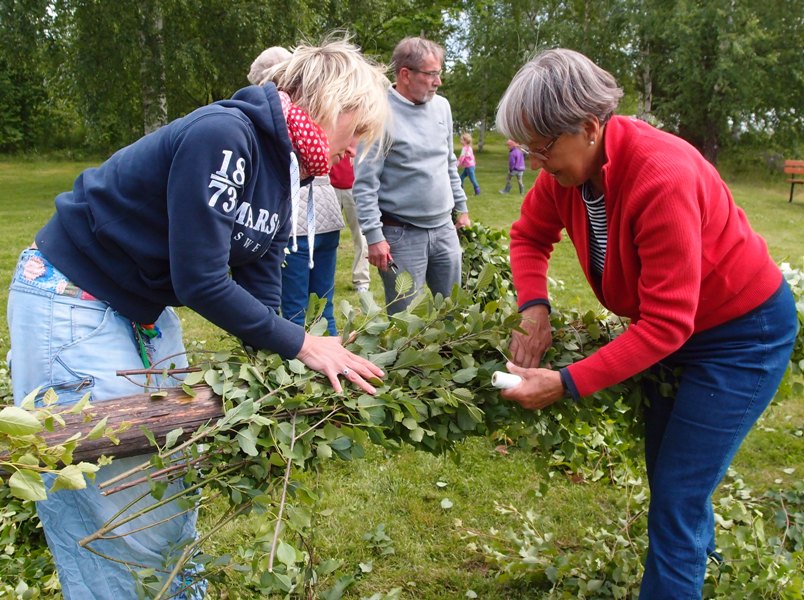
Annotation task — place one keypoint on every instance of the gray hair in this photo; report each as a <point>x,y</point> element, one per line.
<point>554,93</point>
<point>263,63</point>
<point>411,52</point>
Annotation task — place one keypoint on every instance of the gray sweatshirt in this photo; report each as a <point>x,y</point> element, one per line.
<point>416,180</point>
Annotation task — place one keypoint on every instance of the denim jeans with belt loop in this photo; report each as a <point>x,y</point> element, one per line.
<point>726,378</point>
<point>431,256</point>
<point>299,280</point>
<point>63,338</point>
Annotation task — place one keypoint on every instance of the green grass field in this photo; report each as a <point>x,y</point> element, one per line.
<point>403,492</point>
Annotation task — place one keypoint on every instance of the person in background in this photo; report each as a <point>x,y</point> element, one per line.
<point>310,265</point>
<point>342,177</point>
<point>196,214</point>
<point>662,242</point>
<point>405,197</point>
<point>516,167</point>
<point>267,59</point>
<point>312,254</point>
<point>467,161</point>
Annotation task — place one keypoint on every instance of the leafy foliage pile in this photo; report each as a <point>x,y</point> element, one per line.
<point>760,536</point>
<point>281,419</point>
<point>759,540</point>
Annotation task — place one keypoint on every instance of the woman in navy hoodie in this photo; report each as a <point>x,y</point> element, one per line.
<point>196,214</point>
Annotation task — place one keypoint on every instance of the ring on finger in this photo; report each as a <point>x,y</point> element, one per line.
<point>345,372</point>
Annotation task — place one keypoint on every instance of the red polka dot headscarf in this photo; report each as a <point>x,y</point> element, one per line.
<point>307,138</point>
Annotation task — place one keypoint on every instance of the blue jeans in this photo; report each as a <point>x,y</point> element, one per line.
<point>299,280</point>
<point>512,174</point>
<point>74,345</point>
<point>726,378</point>
<point>470,173</point>
<point>429,255</point>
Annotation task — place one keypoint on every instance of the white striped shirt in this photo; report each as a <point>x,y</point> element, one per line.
<point>598,228</point>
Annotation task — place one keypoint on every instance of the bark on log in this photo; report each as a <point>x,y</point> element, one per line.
<point>160,415</point>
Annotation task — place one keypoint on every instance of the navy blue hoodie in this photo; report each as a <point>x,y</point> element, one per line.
<point>167,220</point>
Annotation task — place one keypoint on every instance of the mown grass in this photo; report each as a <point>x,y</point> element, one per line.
<point>403,491</point>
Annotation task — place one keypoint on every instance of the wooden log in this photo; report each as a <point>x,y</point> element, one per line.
<point>160,415</point>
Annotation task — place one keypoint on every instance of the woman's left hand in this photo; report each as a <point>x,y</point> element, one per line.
<point>328,356</point>
<point>539,387</point>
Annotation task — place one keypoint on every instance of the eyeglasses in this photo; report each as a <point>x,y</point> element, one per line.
<point>430,74</point>
<point>541,153</point>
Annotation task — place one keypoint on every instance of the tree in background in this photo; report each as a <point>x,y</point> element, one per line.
<point>724,67</point>
<point>137,65</point>
<point>379,24</point>
<point>710,72</point>
<point>99,74</point>
<point>25,101</point>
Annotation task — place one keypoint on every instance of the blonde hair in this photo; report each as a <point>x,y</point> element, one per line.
<point>336,78</point>
<point>555,93</point>
<point>466,139</point>
<point>267,59</point>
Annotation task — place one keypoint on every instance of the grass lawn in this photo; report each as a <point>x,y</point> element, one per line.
<point>403,492</point>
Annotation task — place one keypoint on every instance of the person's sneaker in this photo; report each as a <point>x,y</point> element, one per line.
<point>503,192</point>
<point>362,288</point>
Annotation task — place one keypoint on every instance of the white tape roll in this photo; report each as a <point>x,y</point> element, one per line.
<point>505,381</point>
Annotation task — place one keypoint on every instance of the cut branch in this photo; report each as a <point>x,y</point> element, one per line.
<point>160,415</point>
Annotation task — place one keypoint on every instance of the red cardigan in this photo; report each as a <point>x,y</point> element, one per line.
<point>681,255</point>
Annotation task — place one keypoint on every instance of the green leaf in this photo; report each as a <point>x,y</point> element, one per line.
<point>29,402</point>
<point>172,436</point>
<point>383,359</point>
<point>323,450</point>
<point>286,554</point>
<point>241,412</point>
<point>27,460</point>
<point>80,405</point>
<point>88,468</point>
<point>297,366</point>
<point>247,442</point>
<point>377,327</point>
<point>300,517</point>
<point>341,443</point>
<point>98,430</point>
<point>410,423</point>
<point>464,375</point>
<point>70,477</point>
<point>148,435</point>
<point>16,421</point>
<point>194,378</point>
<point>50,397</point>
<point>403,284</point>
<point>27,485</point>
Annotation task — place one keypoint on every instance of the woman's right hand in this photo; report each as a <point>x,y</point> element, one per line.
<point>328,356</point>
<point>527,349</point>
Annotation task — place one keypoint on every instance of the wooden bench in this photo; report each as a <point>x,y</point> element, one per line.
<point>794,168</point>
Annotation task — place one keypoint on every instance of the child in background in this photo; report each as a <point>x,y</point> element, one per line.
<point>467,161</point>
<point>516,167</point>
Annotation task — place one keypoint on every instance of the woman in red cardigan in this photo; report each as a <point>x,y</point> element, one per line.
<point>661,242</point>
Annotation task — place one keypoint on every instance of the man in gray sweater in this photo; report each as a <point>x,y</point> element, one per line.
<point>405,196</point>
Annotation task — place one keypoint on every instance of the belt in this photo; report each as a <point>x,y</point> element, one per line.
<point>390,221</point>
